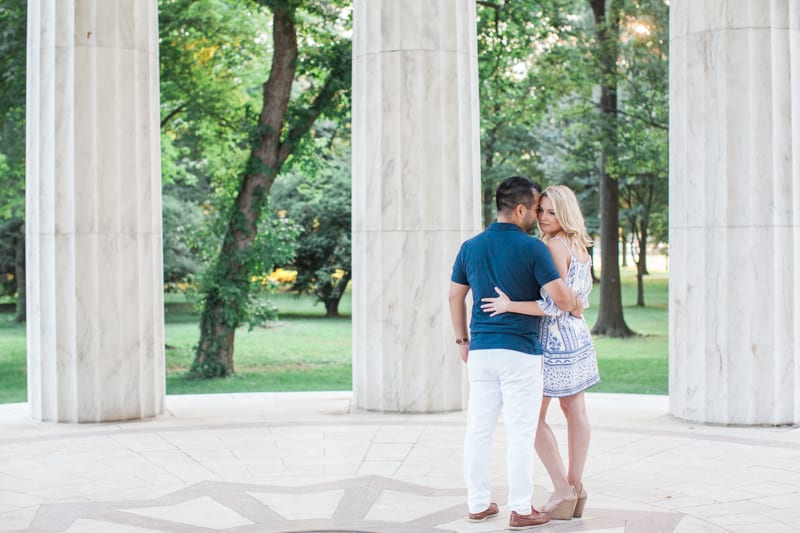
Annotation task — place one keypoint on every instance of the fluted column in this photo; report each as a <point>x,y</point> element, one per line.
<point>93,211</point>
<point>416,194</point>
<point>735,211</point>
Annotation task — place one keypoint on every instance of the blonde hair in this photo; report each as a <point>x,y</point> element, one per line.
<point>569,216</point>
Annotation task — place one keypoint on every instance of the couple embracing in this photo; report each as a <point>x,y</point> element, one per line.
<point>527,343</point>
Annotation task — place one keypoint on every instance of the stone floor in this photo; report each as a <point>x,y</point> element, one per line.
<point>297,462</point>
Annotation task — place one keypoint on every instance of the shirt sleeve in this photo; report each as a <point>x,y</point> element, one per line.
<point>459,274</point>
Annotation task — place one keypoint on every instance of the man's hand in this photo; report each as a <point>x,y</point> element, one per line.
<point>463,351</point>
<point>458,315</point>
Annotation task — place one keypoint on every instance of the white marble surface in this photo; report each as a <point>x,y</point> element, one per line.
<point>734,199</point>
<point>93,211</point>
<point>416,177</point>
<point>278,462</point>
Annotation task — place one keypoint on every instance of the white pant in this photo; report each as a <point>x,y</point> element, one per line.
<point>512,381</point>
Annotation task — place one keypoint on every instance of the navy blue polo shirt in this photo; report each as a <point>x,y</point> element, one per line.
<point>504,256</point>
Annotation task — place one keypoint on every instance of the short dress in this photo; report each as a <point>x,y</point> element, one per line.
<point>570,360</point>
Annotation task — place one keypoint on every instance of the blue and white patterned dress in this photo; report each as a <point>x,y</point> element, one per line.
<point>570,361</point>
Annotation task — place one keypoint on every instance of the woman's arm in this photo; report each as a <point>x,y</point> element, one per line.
<point>503,304</point>
<point>545,307</point>
<point>559,298</point>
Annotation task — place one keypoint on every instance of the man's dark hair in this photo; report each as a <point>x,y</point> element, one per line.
<point>514,191</point>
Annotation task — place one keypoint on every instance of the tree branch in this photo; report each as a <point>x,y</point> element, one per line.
<point>166,120</point>
<point>338,77</point>
<point>649,122</point>
<point>277,89</point>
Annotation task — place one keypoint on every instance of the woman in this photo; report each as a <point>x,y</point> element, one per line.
<point>570,362</point>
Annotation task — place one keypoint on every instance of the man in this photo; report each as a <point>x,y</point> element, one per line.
<point>503,354</point>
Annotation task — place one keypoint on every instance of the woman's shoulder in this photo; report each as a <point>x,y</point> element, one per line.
<point>573,250</point>
<point>558,248</point>
<point>561,256</point>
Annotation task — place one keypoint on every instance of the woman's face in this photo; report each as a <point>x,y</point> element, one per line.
<point>547,217</point>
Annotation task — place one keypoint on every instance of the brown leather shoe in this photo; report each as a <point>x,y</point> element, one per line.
<point>527,521</point>
<point>489,512</point>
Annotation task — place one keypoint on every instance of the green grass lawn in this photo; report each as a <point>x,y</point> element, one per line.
<point>636,365</point>
<point>13,386</point>
<point>304,351</point>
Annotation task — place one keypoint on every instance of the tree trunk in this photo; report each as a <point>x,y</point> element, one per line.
<point>19,274</point>
<point>334,296</point>
<point>595,279</point>
<point>214,357</point>
<point>332,308</point>
<point>624,248</point>
<point>610,319</point>
<point>488,199</point>
<point>641,265</point>
<point>643,246</point>
<point>487,183</point>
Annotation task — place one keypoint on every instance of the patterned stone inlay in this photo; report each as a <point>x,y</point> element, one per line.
<point>314,505</point>
<point>201,512</point>
<point>356,505</point>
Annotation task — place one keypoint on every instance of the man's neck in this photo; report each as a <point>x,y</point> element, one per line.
<point>506,220</point>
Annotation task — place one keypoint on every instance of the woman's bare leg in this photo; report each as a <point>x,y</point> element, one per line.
<point>546,447</point>
<point>578,435</point>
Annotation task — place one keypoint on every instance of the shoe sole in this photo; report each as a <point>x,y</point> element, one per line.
<point>564,510</point>
<point>522,528</point>
<point>487,517</point>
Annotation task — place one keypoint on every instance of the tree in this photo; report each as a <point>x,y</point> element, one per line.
<point>610,319</point>
<point>212,55</point>
<point>12,262</point>
<point>318,200</point>
<point>182,222</point>
<point>13,43</point>
<point>643,164</point>
<point>321,65</point>
<point>522,45</point>
<point>538,113</point>
<point>572,141</point>
<point>642,193</point>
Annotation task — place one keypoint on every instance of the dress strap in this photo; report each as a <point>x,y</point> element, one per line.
<point>571,251</point>
<point>566,245</point>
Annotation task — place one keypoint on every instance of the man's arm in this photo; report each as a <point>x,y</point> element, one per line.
<point>564,297</point>
<point>458,316</point>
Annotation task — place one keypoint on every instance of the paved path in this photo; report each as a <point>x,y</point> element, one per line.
<point>296,462</point>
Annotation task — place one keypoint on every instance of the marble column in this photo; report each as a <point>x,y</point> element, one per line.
<point>93,211</point>
<point>734,348</point>
<point>416,197</point>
